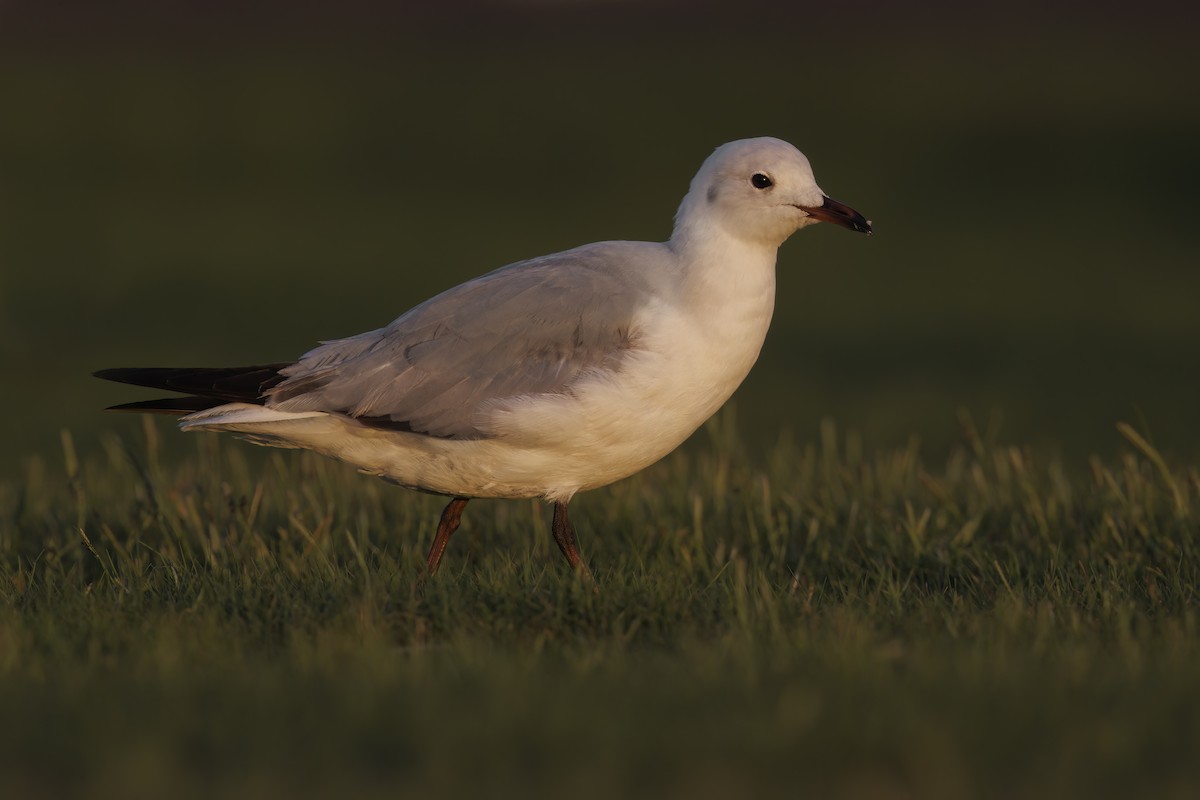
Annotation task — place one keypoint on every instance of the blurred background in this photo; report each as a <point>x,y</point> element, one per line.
<point>225,183</point>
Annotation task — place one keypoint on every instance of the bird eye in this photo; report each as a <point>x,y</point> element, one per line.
<point>761,181</point>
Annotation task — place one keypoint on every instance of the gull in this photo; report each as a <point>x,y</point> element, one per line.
<point>546,377</point>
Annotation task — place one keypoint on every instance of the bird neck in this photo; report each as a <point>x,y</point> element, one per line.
<point>722,270</point>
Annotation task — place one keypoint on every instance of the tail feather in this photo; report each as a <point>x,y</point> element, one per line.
<point>207,387</point>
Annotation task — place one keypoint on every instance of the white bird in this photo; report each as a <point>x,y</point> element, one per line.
<point>546,377</point>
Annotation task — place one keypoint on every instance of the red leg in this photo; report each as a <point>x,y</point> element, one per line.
<point>564,535</point>
<point>448,525</point>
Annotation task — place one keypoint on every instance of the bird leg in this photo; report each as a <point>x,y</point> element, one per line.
<point>564,535</point>
<point>448,525</point>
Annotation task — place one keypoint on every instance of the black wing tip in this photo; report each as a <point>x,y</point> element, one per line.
<point>112,373</point>
<point>228,384</point>
<point>153,377</point>
<point>168,405</point>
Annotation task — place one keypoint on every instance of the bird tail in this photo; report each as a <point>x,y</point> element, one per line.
<point>203,387</point>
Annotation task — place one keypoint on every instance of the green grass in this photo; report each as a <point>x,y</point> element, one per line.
<point>823,620</point>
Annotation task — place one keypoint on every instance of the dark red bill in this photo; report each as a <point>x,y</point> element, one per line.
<point>839,214</point>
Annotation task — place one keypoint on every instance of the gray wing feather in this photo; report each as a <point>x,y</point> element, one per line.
<point>529,328</point>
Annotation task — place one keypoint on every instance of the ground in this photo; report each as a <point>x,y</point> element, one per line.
<point>828,621</point>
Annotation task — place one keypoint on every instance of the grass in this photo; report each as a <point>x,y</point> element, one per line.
<point>823,620</point>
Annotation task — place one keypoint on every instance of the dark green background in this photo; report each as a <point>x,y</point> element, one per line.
<point>190,186</point>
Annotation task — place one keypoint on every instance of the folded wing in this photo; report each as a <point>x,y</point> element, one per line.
<point>531,328</point>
